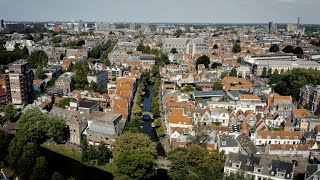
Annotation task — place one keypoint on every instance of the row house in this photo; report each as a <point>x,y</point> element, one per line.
<point>258,168</point>
<point>281,105</point>
<point>302,150</point>
<point>276,137</point>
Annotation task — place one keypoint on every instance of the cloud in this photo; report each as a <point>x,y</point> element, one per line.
<point>286,1</point>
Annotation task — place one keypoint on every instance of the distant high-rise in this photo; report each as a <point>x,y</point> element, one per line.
<point>1,24</point>
<point>270,26</point>
<point>298,24</point>
<point>19,80</point>
<point>132,26</point>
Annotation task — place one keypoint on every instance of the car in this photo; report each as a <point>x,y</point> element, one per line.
<point>295,162</point>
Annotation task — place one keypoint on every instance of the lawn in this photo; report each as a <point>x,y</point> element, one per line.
<point>73,154</point>
<point>63,150</point>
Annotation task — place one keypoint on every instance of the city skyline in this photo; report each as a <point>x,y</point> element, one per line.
<point>166,11</point>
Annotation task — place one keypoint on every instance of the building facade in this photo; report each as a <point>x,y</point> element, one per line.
<point>19,83</point>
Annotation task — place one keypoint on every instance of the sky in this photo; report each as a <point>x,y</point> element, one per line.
<point>170,11</point>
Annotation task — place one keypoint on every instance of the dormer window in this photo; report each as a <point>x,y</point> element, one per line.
<point>224,142</point>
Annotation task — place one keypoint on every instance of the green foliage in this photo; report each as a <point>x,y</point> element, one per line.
<point>269,73</point>
<point>288,49</point>
<point>178,33</point>
<point>173,51</point>
<point>92,154</point>
<point>264,72</point>
<point>7,57</point>
<point>140,47</point>
<point>203,60</point>
<point>238,175</point>
<point>57,176</point>
<point>40,169</point>
<point>37,59</point>
<point>134,156</point>
<point>161,131</point>
<point>196,163</point>
<point>290,82</point>
<point>37,127</point>
<point>81,70</point>
<point>217,86</point>
<point>215,65</point>
<point>274,48</point>
<point>233,72</point>
<point>4,144</point>
<point>9,112</point>
<point>56,39</point>
<point>102,51</point>
<point>40,73</point>
<point>134,124</point>
<point>65,101</point>
<point>236,48</point>
<point>224,74</point>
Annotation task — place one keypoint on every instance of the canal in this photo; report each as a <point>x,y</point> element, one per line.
<point>147,122</point>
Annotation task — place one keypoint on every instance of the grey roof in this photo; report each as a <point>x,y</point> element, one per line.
<point>247,144</point>
<point>87,104</point>
<point>217,93</point>
<point>227,141</point>
<point>267,166</point>
<point>96,73</point>
<point>97,128</point>
<point>287,62</point>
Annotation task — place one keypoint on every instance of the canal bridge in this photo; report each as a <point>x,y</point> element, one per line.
<point>147,115</point>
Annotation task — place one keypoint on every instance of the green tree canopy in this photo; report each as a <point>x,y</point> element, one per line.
<point>134,155</point>
<point>236,48</point>
<point>9,112</point>
<point>173,51</point>
<point>217,86</point>
<point>37,59</point>
<point>233,72</point>
<point>288,49</point>
<point>264,72</point>
<point>40,169</point>
<point>274,48</point>
<point>196,163</point>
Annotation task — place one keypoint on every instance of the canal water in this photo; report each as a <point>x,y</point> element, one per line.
<point>146,124</point>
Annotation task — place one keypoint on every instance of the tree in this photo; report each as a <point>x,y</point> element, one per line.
<point>104,153</point>
<point>9,112</point>
<point>57,176</point>
<point>134,124</point>
<point>215,65</point>
<point>274,48</point>
<point>288,49</point>
<point>40,73</point>
<point>217,86</point>
<point>40,169</point>
<point>215,46</point>
<point>233,72</point>
<point>140,47</point>
<point>264,72</point>
<point>134,155</point>
<point>37,59</point>
<point>136,109</point>
<point>94,53</point>
<point>5,139</point>
<point>196,163</point>
<point>269,73</point>
<point>236,48</point>
<point>224,74</point>
<point>173,51</point>
<point>56,39</point>
<point>65,101</point>
<point>203,60</point>
<point>298,51</point>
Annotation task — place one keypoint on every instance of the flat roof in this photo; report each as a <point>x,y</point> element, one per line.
<point>208,93</point>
